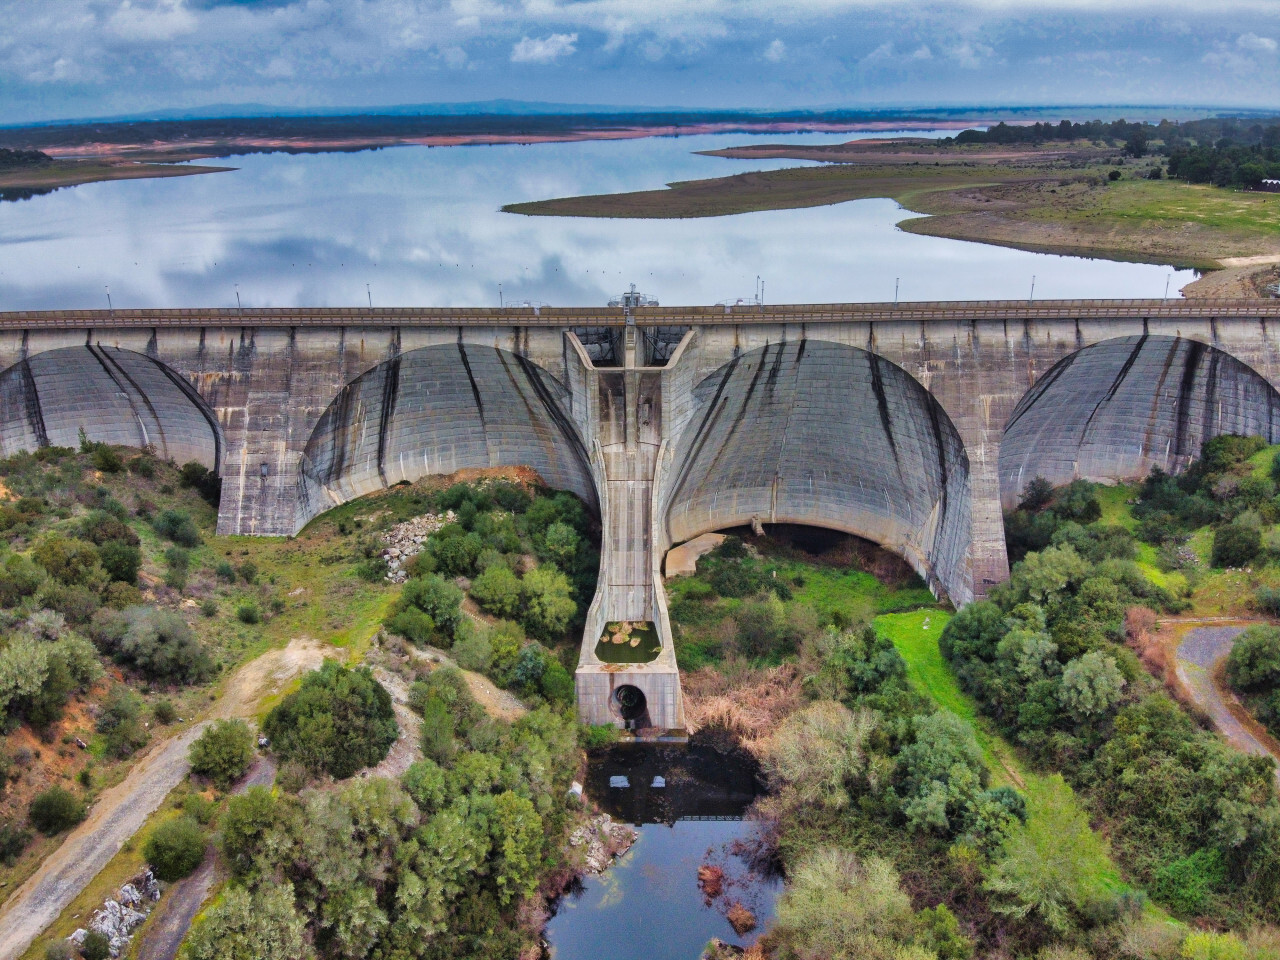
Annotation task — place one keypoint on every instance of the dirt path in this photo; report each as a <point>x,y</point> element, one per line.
<point>405,750</point>
<point>499,703</point>
<point>1200,653</point>
<point>169,922</point>
<point>120,811</point>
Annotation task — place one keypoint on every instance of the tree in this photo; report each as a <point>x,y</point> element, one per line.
<point>120,720</point>
<point>54,810</point>
<point>548,599</point>
<point>836,908</point>
<point>1235,545</point>
<point>1036,495</point>
<point>222,752</point>
<point>561,544</point>
<point>245,825</point>
<point>69,561</point>
<point>517,839</point>
<point>498,591</point>
<point>339,722</point>
<point>161,645</point>
<point>822,754</point>
<point>1049,865</point>
<point>434,596</point>
<point>175,848</point>
<point>1254,661</point>
<point>241,926</point>
<point>177,526</point>
<point>1092,687</point>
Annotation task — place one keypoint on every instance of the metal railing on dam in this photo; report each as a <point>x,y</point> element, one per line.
<point>923,312</point>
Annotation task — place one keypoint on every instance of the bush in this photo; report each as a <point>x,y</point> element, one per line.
<point>121,561</point>
<point>473,649</point>
<point>68,561</point>
<point>13,840</point>
<point>597,737</point>
<point>120,721</point>
<point>222,752</point>
<point>96,946</point>
<point>161,645</point>
<point>497,590</point>
<point>106,459</point>
<point>340,721</point>
<point>438,599</point>
<point>177,526</point>
<point>175,848</point>
<point>1254,661</point>
<point>1235,545</point>
<point>204,481</point>
<point>413,625</point>
<point>548,603</point>
<point>164,711</point>
<point>55,810</point>
<point>1187,883</point>
<point>248,613</point>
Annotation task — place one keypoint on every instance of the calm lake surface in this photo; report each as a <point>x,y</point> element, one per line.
<point>648,906</point>
<point>422,227</point>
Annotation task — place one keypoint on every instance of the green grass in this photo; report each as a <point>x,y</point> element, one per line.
<point>915,635</point>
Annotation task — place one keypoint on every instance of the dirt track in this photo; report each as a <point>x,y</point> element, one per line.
<point>120,811</point>
<point>1199,654</point>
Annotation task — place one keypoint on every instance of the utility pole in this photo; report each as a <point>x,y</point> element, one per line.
<point>1167,280</point>
<point>239,309</point>
<point>110,308</point>
<point>896,281</point>
<point>369,294</point>
<point>1033,289</point>
<point>500,303</point>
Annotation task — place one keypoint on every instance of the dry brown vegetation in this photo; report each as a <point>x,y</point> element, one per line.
<point>745,702</point>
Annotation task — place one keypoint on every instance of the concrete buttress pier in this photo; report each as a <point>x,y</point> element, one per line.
<point>912,425</point>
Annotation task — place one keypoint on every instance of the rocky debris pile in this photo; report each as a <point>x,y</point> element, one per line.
<point>404,540</point>
<point>118,918</point>
<point>603,841</point>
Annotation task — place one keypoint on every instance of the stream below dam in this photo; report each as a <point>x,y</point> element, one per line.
<point>649,904</point>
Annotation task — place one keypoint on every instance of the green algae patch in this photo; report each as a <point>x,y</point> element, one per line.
<point>628,641</point>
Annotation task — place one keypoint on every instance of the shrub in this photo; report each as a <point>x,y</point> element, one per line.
<point>1187,883</point>
<point>120,721</point>
<point>595,737</point>
<point>161,645</point>
<point>838,907</point>
<point>263,925</point>
<point>121,561</point>
<point>472,649</point>
<point>438,599</point>
<point>106,459</point>
<point>13,840</point>
<point>413,625</point>
<point>164,711</point>
<point>177,526</point>
<point>225,571</point>
<point>248,613</point>
<point>96,946</point>
<point>1235,545</point>
<point>55,810</point>
<point>497,590</point>
<point>338,722</point>
<point>68,561</point>
<point>209,607</point>
<point>556,684</point>
<point>203,480</point>
<point>549,605</point>
<point>175,848</point>
<point>1254,661</point>
<point>222,752</point>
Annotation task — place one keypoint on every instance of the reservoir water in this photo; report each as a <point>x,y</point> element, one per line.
<point>649,905</point>
<point>416,226</point>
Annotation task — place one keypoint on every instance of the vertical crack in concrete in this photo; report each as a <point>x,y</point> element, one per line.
<point>534,374</point>
<point>1186,390</point>
<point>1115,386</point>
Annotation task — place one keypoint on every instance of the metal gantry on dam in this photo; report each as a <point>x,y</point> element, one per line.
<point>912,425</point>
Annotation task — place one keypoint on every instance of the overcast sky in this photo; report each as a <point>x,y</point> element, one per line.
<point>84,58</point>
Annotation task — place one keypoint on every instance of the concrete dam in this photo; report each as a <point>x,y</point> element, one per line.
<point>911,425</point>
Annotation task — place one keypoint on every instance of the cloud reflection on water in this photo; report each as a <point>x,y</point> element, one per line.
<point>423,227</point>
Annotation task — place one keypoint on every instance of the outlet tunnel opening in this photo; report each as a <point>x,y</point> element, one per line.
<point>1114,410</point>
<point>118,397</point>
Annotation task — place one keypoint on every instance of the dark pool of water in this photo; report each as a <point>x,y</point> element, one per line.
<point>648,906</point>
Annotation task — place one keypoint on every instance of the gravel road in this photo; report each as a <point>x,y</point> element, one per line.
<point>120,811</point>
<point>1199,654</point>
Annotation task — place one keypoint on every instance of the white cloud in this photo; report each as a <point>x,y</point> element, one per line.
<point>775,52</point>
<point>160,21</point>
<point>545,50</point>
<point>1256,44</point>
